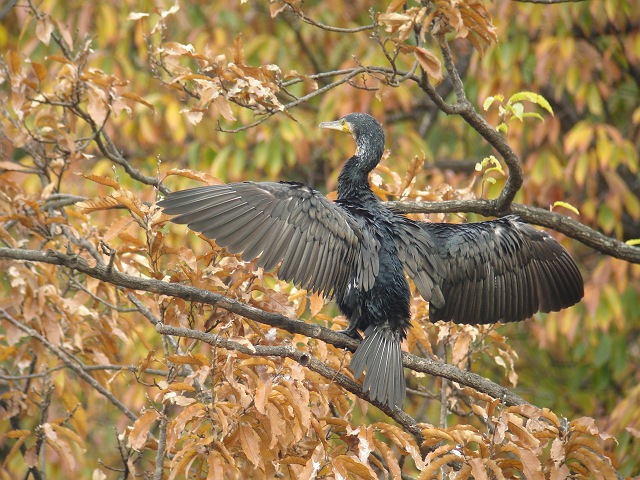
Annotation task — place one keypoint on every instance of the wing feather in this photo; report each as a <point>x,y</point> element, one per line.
<point>318,243</point>
<point>500,270</point>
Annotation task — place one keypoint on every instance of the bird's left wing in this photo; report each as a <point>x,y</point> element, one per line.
<point>316,240</point>
<point>501,270</point>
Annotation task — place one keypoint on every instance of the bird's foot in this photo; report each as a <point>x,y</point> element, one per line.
<point>351,332</point>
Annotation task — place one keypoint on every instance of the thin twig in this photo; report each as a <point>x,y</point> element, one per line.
<point>329,28</point>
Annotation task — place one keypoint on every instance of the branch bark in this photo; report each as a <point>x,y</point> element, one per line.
<point>189,293</point>
<point>537,216</point>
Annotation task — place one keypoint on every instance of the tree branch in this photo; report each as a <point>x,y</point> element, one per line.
<point>537,216</point>
<point>189,293</point>
<point>303,359</point>
<point>466,110</point>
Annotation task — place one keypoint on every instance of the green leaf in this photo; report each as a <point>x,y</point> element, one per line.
<point>502,128</point>
<point>566,205</point>
<point>534,115</point>
<point>633,242</point>
<point>518,110</point>
<point>489,101</point>
<point>531,97</point>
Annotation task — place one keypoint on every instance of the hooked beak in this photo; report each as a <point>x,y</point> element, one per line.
<point>336,125</point>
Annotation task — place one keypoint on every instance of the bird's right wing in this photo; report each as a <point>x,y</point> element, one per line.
<point>317,241</point>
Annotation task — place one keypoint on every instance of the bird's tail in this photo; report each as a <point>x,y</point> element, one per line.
<point>380,353</point>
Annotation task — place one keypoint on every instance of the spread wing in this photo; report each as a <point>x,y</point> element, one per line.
<point>501,270</point>
<point>420,258</point>
<point>317,242</point>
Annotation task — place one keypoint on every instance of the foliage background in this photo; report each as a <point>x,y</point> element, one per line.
<point>99,99</point>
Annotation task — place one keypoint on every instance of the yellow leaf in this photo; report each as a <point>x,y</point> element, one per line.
<point>565,205</point>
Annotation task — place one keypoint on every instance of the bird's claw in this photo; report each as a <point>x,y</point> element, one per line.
<point>351,332</point>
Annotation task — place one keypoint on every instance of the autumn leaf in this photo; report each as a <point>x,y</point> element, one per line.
<point>141,427</point>
<point>430,64</point>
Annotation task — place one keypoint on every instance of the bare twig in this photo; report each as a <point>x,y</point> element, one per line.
<point>299,13</point>
<point>162,441</point>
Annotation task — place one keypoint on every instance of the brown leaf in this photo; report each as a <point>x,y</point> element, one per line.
<point>97,104</point>
<point>110,182</point>
<point>189,359</point>
<point>97,204</point>
<point>396,5</point>
<point>316,303</point>
<point>250,443</point>
<point>14,62</point>
<point>262,395</point>
<point>391,458</point>
<point>194,175</point>
<point>116,227</point>
<point>40,70</point>
<point>430,63</point>
<point>60,446</point>
<point>137,98</point>
<point>530,465</point>
<point>355,467</point>
<point>478,469</point>
<point>138,435</point>
<point>44,29</point>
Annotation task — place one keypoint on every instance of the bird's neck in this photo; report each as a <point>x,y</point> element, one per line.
<point>353,182</point>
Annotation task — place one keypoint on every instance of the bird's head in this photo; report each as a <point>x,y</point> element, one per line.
<point>368,134</point>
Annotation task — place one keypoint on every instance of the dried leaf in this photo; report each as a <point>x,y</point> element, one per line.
<point>250,443</point>
<point>198,359</point>
<point>111,182</point>
<point>138,435</point>
<point>137,98</point>
<point>430,64</point>
<point>44,29</point>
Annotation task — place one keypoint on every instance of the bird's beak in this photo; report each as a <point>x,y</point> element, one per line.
<point>336,125</point>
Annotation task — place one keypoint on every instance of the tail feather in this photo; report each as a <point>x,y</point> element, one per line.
<point>380,354</point>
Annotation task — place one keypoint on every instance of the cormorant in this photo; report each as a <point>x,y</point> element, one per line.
<point>356,251</point>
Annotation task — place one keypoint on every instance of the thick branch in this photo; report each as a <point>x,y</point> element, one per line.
<point>193,294</point>
<point>537,216</point>
<point>466,110</point>
<point>303,359</point>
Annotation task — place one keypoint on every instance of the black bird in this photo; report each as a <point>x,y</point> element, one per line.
<point>357,251</point>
